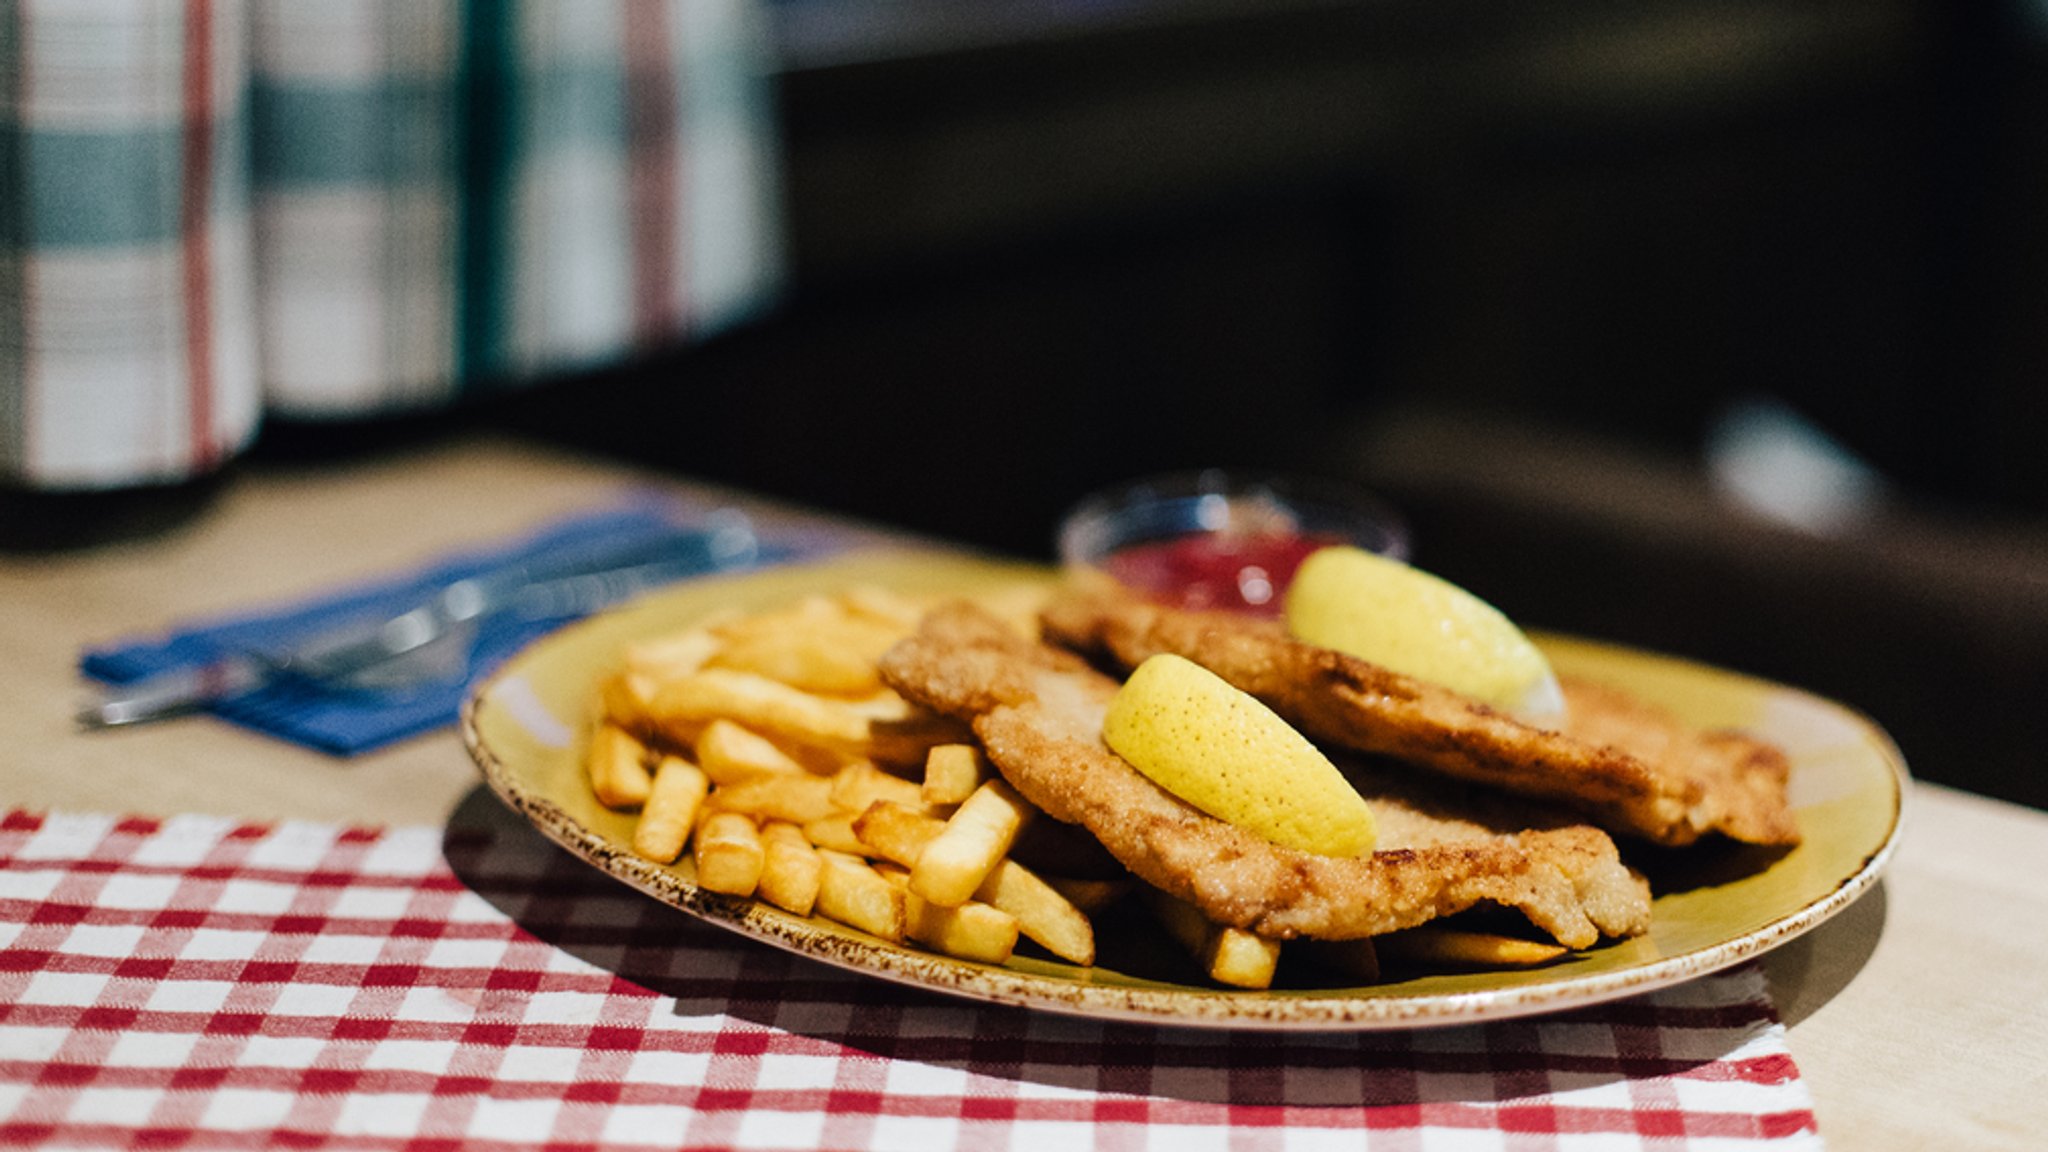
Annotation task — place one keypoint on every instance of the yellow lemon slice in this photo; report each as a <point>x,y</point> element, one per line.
<point>1424,626</point>
<point>1230,756</point>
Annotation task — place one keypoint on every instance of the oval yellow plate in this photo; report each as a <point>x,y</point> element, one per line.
<point>526,726</point>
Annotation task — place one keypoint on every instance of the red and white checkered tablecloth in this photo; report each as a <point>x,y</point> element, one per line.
<point>201,983</point>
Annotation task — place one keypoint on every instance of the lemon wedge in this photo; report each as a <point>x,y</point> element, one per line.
<point>1227,754</point>
<point>1421,625</point>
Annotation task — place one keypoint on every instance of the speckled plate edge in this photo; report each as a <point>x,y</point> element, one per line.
<point>1075,992</point>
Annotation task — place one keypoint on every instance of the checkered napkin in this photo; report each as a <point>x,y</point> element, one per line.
<point>346,720</point>
<point>197,982</point>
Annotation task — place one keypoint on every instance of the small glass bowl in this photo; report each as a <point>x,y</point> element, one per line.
<point>1221,539</point>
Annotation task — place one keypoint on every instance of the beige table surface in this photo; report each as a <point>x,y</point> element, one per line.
<point>1919,1017</point>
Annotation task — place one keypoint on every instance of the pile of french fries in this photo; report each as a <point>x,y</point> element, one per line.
<point>767,747</point>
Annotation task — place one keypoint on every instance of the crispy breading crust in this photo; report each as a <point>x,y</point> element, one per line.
<point>1631,768</point>
<point>1038,712</point>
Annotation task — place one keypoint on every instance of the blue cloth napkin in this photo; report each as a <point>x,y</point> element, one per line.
<point>345,720</point>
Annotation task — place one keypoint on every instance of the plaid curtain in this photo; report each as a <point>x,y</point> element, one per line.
<point>332,208</point>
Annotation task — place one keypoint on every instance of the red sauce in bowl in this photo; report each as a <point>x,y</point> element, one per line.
<point>1229,571</point>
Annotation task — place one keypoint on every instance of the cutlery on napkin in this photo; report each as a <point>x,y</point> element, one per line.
<point>358,668</point>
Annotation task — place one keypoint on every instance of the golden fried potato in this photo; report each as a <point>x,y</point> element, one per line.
<point>1230,956</point>
<point>617,763</point>
<point>975,840</point>
<point>829,652</point>
<point>1435,946</point>
<point>836,832</point>
<point>729,753</point>
<point>861,783</point>
<point>952,772</point>
<point>790,868</point>
<point>671,809</point>
<point>729,854</point>
<point>796,798</point>
<point>854,894</point>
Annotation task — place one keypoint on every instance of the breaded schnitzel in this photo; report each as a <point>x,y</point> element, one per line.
<point>1038,712</point>
<point>1631,768</point>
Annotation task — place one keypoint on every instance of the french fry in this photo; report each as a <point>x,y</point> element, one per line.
<point>860,784</point>
<point>903,734</point>
<point>897,833</point>
<point>1434,946</point>
<point>1230,956</point>
<point>729,753</point>
<point>1241,960</point>
<point>769,707</point>
<point>790,868</point>
<point>729,854</point>
<point>617,762</point>
<point>625,698</point>
<point>854,894</point>
<point>1043,914</point>
<point>800,615</point>
<point>798,798</point>
<point>882,606</point>
<point>628,696</point>
<point>952,772</point>
<point>678,653</point>
<point>976,838</point>
<point>671,809</point>
<point>829,653</point>
<point>972,931</point>
<point>836,832</point>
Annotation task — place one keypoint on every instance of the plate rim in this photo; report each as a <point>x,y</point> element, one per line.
<point>1360,1009</point>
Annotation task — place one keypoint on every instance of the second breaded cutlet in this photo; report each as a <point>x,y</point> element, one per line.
<point>1629,767</point>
